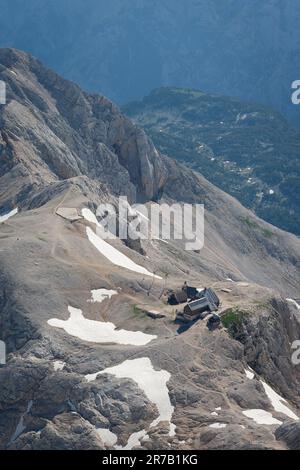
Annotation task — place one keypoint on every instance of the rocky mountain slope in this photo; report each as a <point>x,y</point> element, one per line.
<point>248,150</point>
<point>245,49</point>
<point>83,356</point>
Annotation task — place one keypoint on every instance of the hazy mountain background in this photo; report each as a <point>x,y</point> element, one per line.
<point>125,48</point>
<point>248,150</point>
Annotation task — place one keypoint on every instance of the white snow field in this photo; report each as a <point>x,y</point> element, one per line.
<point>261,417</point>
<point>218,425</point>
<point>249,373</point>
<point>58,365</point>
<point>152,382</point>
<point>88,215</point>
<point>278,402</point>
<point>98,295</point>
<point>292,301</point>
<point>115,256</point>
<point>7,216</point>
<point>97,331</point>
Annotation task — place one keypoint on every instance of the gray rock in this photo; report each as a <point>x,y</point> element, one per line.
<point>290,434</point>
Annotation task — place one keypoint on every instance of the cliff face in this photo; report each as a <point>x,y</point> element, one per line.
<point>52,130</point>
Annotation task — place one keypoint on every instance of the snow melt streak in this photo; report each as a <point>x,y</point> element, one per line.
<point>7,216</point>
<point>115,256</point>
<point>278,402</point>
<point>292,301</point>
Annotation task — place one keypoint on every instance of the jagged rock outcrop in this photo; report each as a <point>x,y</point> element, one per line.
<point>52,130</point>
<point>290,434</point>
<point>267,333</point>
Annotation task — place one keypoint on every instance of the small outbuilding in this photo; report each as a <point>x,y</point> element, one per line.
<point>177,297</point>
<point>213,322</point>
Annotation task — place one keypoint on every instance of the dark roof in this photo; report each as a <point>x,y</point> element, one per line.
<point>212,297</point>
<point>209,301</point>
<point>191,292</point>
<point>181,296</point>
<point>198,304</point>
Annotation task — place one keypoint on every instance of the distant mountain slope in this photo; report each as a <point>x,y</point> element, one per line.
<point>125,48</point>
<point>248,150</point>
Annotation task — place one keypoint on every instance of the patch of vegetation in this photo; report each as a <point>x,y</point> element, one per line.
<point>233,319</point>
<point>138,312</point>
<point>251,223</point>
<point>267,233</point>
<point>255,226</point>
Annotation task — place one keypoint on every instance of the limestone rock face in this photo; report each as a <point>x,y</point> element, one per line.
<point>290,434</point>
<point>55,131</point>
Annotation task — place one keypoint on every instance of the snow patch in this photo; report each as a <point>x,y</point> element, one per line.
<point>249,374</point>
<point>278,402</point>
<point>115,256</point>
<point>20,426</point>
<point>218,425</point>
<point>58,365</point>
<point>172,431</point>
<point>261,417</point>
<point>88,215</point>
<point>7,216</point>
<point>292,301</point>
<point>98,295</point>
<point>98,332</point>
<point>152,382</point>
